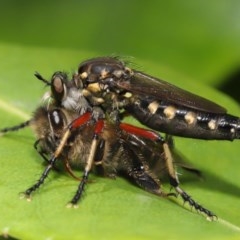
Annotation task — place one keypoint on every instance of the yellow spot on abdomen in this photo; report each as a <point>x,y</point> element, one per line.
<point>170,112</point>
<point>153,107</point>
<point>190,118</point>
<point>212,124</point>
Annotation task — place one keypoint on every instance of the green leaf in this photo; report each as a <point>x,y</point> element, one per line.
<point>111,209</point>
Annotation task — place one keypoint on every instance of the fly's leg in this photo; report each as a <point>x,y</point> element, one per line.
<point>175,183</point>
<point>98,128</point>
<point>76,123</point>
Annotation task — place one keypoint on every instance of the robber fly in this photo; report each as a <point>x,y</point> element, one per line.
<point>154,102</point>
<point>85,137</point>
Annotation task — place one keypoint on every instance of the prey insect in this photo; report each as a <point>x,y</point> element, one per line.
<point>154,102</point>
<point>111,149</point>
<point>79,134</point>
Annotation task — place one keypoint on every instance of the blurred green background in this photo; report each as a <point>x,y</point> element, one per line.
<point>199,39</point>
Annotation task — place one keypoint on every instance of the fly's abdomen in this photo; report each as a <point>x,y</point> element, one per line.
<point>185,122</point>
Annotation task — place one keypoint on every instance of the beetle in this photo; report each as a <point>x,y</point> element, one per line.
<point>81,136</point>
<point>111,149</point>
<point>155,103</point>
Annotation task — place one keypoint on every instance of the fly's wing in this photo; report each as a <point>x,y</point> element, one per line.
<point>143,84</point>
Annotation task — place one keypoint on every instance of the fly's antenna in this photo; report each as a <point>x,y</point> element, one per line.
<point>41,78</point>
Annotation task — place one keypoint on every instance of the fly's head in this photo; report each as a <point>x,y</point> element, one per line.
<point>66,93</point>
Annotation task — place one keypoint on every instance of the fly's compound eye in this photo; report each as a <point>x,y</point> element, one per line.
<point>58,86</point>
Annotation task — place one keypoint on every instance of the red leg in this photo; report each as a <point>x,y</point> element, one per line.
<point>141,132</point>
<point>75,124</point>
<point>98,129</point>
<point>80,120</point>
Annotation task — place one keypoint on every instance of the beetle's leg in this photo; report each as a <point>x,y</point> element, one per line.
<point>137,171</point>
<point>98,128</point>
<point>99,157</point>
<point>40,152</point>
<point>175,183</point>
<point>76,123</point>
<point>41,180</point>
<point>15,128</point>
<point>97,161</point>
<point>69,170</point>
<point>141,132</point>
<point>169,163</point>
<point>49,167</point>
